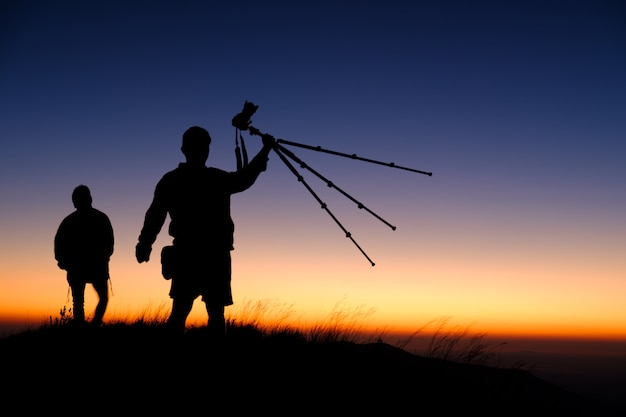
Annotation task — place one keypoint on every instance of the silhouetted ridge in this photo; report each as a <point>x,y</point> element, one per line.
<point>139,368</point>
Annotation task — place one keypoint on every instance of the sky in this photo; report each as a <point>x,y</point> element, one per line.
<point>517,108</point>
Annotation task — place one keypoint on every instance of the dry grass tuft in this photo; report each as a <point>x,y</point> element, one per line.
<point>343,324</point>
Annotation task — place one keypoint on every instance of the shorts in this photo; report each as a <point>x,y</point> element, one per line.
<point>203,272</point>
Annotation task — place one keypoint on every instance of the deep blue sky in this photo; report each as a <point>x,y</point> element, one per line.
<point>517,107</point>
<point>535,84</point>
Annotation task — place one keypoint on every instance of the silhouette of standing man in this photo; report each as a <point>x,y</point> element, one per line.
<point>83,246</point>
<point>197,199</point>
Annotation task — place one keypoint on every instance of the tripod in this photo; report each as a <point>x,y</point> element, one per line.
<point>242,122</point>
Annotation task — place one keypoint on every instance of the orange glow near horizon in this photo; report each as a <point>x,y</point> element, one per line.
<point>402,296</point>
<point>492,268</point>
<point>378,312</point>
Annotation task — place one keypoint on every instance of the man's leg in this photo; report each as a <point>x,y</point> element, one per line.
<point>78,299</point>
<point>102,288</point>
<point>217,323</point>
<point>181,307</point>
<point>218,294</point>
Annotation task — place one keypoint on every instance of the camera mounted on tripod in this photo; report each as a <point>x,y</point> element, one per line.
<point>242,120</point>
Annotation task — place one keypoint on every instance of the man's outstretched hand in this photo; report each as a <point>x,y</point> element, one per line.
<point>142,252</point>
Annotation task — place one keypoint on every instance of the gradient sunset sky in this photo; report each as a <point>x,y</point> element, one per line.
<point>518,108</point>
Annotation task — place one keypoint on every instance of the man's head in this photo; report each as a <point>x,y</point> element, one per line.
<point>81,197</point>
<point>196,141</point>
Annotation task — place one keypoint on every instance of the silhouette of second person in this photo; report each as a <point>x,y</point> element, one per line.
<point>197,199</point>
<point>83,246</point>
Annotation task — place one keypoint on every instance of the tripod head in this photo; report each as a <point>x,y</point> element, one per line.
<point>242,120</point>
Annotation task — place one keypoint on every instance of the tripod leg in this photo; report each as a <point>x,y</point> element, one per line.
<point>331,184</point>
<point>351,156</point>
<point>255,131</point>
<point>322,204</point>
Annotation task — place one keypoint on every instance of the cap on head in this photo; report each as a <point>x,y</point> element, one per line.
<point>81,197</point>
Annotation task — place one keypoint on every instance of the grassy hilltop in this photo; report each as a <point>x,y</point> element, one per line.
<point>138,368</point>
